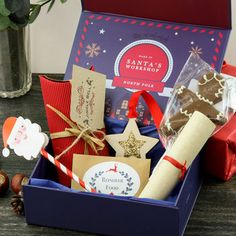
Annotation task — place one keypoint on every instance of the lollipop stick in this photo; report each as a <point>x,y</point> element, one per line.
<point>68,172</point>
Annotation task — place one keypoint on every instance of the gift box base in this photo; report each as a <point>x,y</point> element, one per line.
<point>49,204</point>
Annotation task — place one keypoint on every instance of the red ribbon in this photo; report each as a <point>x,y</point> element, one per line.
<point>92,68</point>
<point>224,64</point>
<point>178,165</point>
<point>154,108</point>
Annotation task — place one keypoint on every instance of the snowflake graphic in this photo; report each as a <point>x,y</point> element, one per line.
<point>196,50</point>
<point>92,50</point>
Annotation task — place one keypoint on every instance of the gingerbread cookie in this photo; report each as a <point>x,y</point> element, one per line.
<point>211,88</point>
<point>185,96</point>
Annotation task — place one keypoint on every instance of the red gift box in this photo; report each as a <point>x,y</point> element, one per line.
<point>228,69</point>
<point>57,94</point>
<point>220,150</point>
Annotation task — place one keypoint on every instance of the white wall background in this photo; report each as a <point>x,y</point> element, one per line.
<point>52,37</point>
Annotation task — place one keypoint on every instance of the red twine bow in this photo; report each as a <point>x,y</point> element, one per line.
<point>178,165</point>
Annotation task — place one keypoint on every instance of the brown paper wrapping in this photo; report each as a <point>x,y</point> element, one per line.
<point>186,147</point>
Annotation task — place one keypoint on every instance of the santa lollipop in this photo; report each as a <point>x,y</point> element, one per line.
<point>27,140</point>
<point>24,137</point>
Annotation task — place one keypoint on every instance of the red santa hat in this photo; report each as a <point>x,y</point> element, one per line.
<point>8,127</point>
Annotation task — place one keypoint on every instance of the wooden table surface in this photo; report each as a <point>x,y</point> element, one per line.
<point>214,212</point>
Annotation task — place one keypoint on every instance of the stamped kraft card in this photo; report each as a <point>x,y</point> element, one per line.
<point>141,54</point>
<point>120,176</point>
<point>87,97</point>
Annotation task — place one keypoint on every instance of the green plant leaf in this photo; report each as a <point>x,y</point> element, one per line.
<point>35,10</point>
<point>4,22</point>
<point>3,10</point>
<point>43,1</point>
<point>14,26</point>
<point>51,5</point>
<point>13,5</point>
<point>21,16</point>
<point>63,1</point>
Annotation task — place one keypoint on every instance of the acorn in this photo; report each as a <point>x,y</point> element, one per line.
<point>18,181</point>
<point>4,182</point>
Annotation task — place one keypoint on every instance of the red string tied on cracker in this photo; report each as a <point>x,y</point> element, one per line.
<point>178,165</point>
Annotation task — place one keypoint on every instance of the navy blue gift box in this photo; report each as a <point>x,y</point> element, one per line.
<point>48,203</point>
<point>110,215</point>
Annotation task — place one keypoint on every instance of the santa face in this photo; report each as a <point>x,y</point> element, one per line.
<point>20,135</point>
<point>26,139</point>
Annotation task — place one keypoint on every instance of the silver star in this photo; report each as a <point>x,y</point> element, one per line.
<point>102,31</point>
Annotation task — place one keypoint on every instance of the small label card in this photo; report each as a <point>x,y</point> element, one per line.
<point>87,98</point>
<point>118,176</point>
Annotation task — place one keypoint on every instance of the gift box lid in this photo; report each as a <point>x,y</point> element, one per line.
<point>144,47</point>
<point>202,12</point>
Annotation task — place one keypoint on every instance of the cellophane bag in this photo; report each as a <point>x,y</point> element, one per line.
<point>198,88</point>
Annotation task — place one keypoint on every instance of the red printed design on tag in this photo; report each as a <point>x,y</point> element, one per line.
<point>143,65</point>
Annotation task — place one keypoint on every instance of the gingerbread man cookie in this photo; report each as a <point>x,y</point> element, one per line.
<point>210,91</point>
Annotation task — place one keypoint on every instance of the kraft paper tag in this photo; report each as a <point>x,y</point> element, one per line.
<point>118,176</point>
<point>87,98</point>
